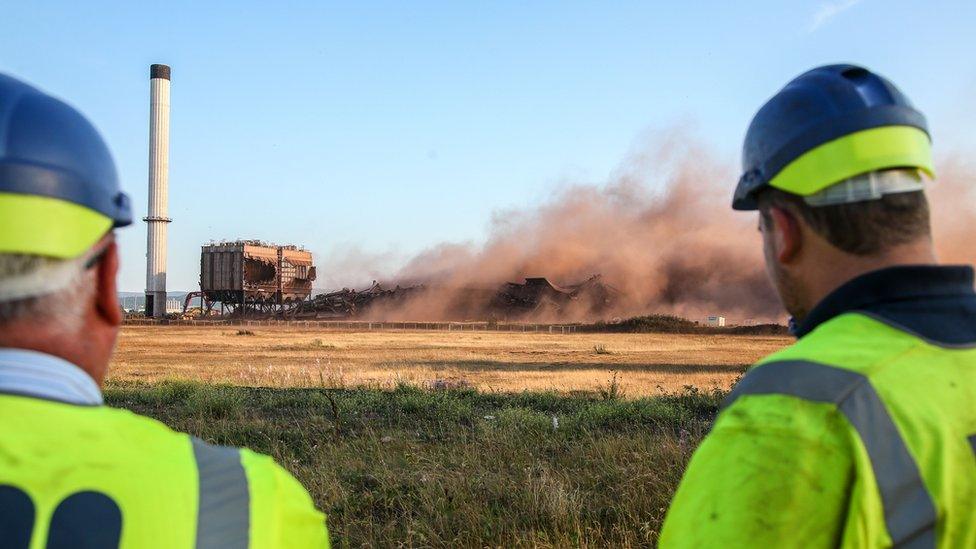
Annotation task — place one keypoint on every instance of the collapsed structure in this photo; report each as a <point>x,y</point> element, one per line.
<point>540,296</point>
<point>536,297</point>
<point>347,303</point>
<point>251,276</point>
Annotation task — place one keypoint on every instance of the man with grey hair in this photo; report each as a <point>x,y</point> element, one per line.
<point>73,472</point>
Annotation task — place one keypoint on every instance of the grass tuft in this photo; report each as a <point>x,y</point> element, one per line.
<point>612,390</point>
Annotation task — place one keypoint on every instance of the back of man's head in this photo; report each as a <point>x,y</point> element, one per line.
<point>861,228</point>
<point>63,307</point>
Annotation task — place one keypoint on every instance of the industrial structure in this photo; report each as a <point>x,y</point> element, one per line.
<point>254,277</point>
<point>157,220</point>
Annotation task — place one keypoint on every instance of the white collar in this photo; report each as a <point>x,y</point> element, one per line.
<point>40,375</point>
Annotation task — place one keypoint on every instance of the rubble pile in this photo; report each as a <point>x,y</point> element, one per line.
<point>348,303</point>
<point>540,296</point>
<point>535,298</point>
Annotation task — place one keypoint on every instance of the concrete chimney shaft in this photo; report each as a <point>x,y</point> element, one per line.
<point>157,219</point>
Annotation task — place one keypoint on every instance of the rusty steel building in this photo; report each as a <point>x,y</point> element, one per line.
<point>255,277</point>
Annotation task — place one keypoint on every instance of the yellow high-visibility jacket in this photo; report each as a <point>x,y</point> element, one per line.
<point>95,476</point>
<point>862,434</point>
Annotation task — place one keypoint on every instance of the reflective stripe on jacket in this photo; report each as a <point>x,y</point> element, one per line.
<point>860,435</point>
<point>71,474</point>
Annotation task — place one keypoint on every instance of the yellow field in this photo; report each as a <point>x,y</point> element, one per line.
<point>645,364</point>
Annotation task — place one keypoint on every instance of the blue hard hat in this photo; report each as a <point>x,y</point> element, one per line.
<point>59,192</point>
<point>827,125</point>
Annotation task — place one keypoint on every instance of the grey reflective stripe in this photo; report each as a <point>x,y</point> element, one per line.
<point>908,508</point>
<point>223,514</point>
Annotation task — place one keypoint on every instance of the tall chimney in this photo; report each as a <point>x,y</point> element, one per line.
<point>157,219</point>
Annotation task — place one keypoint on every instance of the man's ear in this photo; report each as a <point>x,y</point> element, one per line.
<point>107,301</point>
<point>787,234</point>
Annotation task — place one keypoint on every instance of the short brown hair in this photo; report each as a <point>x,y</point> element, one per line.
<point>860,228</point>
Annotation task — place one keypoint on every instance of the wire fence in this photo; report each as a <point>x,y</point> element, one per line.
<point>363,325</point>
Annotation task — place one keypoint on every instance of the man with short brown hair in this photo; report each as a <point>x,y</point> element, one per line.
<point>863,433</point>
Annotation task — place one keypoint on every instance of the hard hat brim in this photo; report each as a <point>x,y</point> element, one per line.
<point>854,154</point>
<point>50,227</point>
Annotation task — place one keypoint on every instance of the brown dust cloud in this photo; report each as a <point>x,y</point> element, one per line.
<point>660,230</point>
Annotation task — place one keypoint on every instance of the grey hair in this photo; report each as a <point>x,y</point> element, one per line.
<point>44,288</point>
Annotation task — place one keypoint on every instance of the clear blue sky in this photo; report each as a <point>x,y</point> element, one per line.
<point>388,127</point>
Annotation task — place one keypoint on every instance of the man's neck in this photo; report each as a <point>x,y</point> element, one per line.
<point>837,268</point>
<point>79,349</point>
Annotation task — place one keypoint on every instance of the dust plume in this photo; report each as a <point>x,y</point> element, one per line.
<point>952,197</point>
<point>349,266</point>
<point>660,230</point>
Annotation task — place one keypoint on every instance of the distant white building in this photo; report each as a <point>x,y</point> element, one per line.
<point>715,321</point>
<point>137,304</point>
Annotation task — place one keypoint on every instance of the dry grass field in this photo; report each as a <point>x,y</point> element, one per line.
<point>450,439</point>
<point>282,356</point>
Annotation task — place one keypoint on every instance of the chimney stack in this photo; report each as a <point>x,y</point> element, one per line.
<point>157,219</point>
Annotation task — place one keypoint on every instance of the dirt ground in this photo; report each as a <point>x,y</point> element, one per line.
<point>641,364</point>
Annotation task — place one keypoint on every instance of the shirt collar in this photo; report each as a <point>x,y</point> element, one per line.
<point>903,282</point>
<point>40,375</point>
